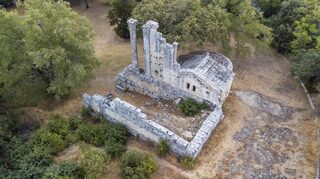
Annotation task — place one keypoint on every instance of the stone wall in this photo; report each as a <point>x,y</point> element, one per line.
<point>139,125</point>
<point>131,79</point>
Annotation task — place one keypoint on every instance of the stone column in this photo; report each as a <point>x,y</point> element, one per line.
<point>132,23</point>
<point>175,51</point>
<point>146,48</point>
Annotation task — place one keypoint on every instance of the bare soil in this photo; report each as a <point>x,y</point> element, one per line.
<point>252,141</point>
<point>166,113</point>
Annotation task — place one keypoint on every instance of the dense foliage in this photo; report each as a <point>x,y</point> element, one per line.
<point>32,157</point>
<point>134,164</point>
<point>296,30</point>
<point>70,170</point>
<point>94,162</point>
<point>210,21</point>
<point>104,133</point>
<point>190,107</point>
<point>119,14</point>
<point>48,50</point>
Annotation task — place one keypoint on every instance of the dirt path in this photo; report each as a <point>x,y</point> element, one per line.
<point>267,132</point>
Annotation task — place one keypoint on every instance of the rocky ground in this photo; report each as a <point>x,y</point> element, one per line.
<point>167,114</point>
<point>268,130</point>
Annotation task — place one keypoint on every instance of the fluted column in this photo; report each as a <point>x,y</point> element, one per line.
<point>132,23</point>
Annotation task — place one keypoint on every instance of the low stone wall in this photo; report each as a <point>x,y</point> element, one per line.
<point>139,125</point>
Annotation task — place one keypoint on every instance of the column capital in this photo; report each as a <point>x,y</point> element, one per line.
<point>132,23</point>
<point>175,44</point>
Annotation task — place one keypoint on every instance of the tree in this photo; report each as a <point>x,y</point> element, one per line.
<point>203,22</point>
<point>49,50</point>
<point>306,64</point>
<point>307,31</point>
<point>119,14</point>
<point>283,24</point>
<point>15,65</point>
<point>268,7</point>
<point>58,41</point>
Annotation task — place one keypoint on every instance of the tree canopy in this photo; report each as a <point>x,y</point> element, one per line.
<point>204,21</point>
<point>119,14</point>
<point>51,43</point>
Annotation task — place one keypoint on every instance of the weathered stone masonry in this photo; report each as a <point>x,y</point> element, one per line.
<point>203,76</point>
<point>119,111</point>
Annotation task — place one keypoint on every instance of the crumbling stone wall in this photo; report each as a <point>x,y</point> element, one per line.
<point>137,122</point>
<point>131,79</point>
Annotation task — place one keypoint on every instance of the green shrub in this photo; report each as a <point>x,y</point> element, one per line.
<point>89,134</point>
<point>115,150</point>
<point>59,126</point>
<point>134,164</point>
<point>70,170</point>
<point>99,134</point>
<point>48,140</point>
<point>94,162</point>
<point>33,164</point>
<point>187,162</point>
<point>116,133</point>
<point>190,107</point>
<point>85,112</point>
<point>9,123</point>
<point>74,122</point>
<point>118,16</point>
<point>163,148</point>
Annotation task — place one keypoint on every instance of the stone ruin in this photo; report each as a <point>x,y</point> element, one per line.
<point>202,76</point>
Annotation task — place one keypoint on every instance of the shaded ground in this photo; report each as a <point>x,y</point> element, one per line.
<point>268,130</point>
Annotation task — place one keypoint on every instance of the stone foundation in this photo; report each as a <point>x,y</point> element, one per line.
<point>140,125</point>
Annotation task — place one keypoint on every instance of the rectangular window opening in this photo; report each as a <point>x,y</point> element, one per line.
<point>193,88</point>
<point>188,85</point>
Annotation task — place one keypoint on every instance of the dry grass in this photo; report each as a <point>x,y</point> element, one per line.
<point>265,73</point>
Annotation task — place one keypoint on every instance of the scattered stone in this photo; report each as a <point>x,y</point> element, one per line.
<point>265,104</point>
<point>177,101</point>
<point>263,155</point>
<point>291,172</point>
<point>187,134</point>
<point>148,103</point>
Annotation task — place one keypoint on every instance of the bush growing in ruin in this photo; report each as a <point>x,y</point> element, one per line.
<point>163,148</point>
<point>187,162</point>
<point>190,107</point>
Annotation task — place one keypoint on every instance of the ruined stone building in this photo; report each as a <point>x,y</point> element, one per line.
<point>203,76</point>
